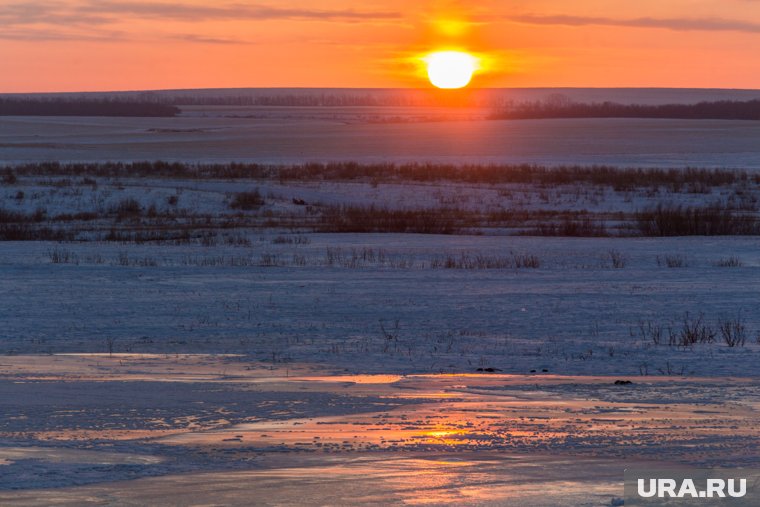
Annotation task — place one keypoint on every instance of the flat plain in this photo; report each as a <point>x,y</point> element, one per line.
<point>277,338</point>
<point>285,135</point>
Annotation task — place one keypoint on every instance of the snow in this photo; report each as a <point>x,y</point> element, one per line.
<point>367,370</point>
<point>289,366</point>
<point>222,299</point>
<point>279,138</point>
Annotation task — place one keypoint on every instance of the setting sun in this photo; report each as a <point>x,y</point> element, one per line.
<point>450,69</point>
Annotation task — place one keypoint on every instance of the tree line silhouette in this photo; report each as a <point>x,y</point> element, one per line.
<point>410,98</point>
<point>719,110</point>
<point>84,107</point>
<point>556,106</point>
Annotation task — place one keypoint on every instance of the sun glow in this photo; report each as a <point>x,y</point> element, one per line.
<point>451,69</point>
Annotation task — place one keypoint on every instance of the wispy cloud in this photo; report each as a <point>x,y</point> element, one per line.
<point>202,39</point>
<point>92,19</point>
<point>679,24</point>
<point>46,34</point>
<point>46,12</point>
<point>192,12</point>
<point>105,11</point>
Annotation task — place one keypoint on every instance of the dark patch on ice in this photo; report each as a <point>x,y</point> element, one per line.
<point>59,406</point>
<point>39,474</point>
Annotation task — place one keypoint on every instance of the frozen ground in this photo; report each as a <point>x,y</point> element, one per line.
<point>349,373</point>
<point>257,362</point>
<point>380,303</point>
<point>66,195</point>
<point>366,135</point>
<point>222,430</point>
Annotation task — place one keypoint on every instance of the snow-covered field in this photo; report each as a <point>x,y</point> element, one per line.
<point>380,303</point>
<point>367,135</point>
<point>259,359</point>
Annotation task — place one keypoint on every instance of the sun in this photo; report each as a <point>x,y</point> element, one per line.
<point>450,69</point>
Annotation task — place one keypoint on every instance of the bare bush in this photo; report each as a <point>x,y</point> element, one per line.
<point>582,227</point>
<point>9,177</point>
<point>296,239</point>
<point>247,201</point>
<point>110,342</point>
<point>390,336</point>
<point>617,258</point>
<point>526,261</point>
<point>733,332</point>
<point>670,369</point>
<point>269,260</point>
<point>714,220</point>
<point>617,178</point>
<point>672,261</point>
<point>651,332</point>
<point>23,232</point>
<point>62,256</point>
<point>729,262</point>
<point>375,219</point>
<point>127,208</point>
<point>692,332</point>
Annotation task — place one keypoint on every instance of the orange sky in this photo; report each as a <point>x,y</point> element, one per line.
<point>77,45</point>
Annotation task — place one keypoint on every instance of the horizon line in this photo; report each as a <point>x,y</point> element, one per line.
<point>377,89</point>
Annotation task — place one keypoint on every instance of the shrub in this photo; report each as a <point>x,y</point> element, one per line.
<point>667,220</point>
<point>17,217</point>
<point>127,208</point>
<point>9,177</point>
<point>375,219</point>
<point>247,200</point>
<point>84,216</point>
<point>693,331</point>
<point>651,331</point>
<point>61,256</point>
<point>729,262</point>
<point>617,258</point>
<point>581,227</point>
<point>617,178</point>
<point>23,232</point>
<point>526,261</point>
<point>733,332</point>
<point>672,261</point>
<point>296,239</point>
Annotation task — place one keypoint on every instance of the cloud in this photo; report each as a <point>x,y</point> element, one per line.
<point>191,12</point>
<point>202,39</point>
<point>679,24</point>
<point>89,20</point>
<point>46,34</point>
<point>97,12</point>
<point>54,13</point>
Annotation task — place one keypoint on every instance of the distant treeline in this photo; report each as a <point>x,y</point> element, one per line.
<point>84,107</point>
<point>720,110</point>
<point>315,100</point>
<point>414,98</point>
